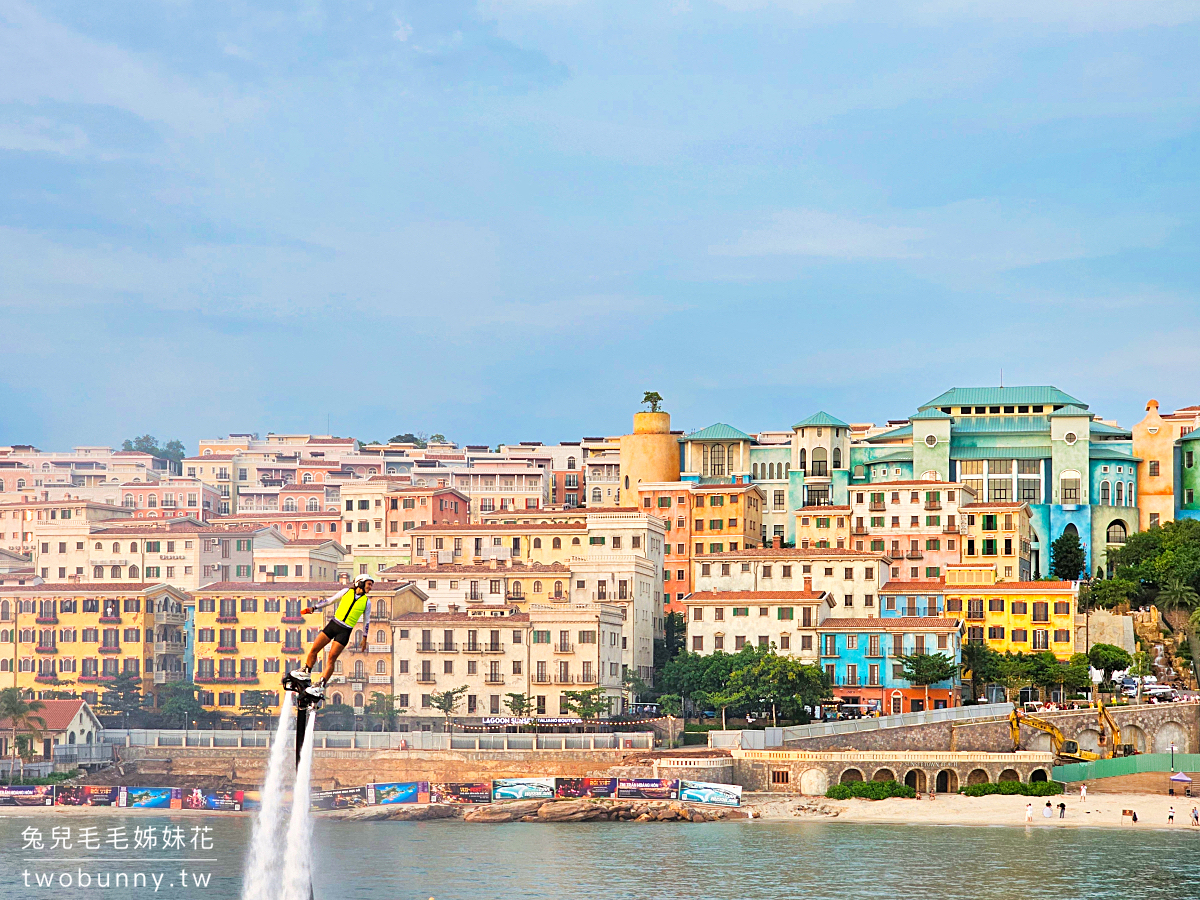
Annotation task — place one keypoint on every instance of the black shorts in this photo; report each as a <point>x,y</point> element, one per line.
<point>337,632</point>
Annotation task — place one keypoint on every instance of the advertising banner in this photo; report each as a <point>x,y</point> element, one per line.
<point>647,789</point>
<point>523,789</point>
<point>585,787</point>
<point>150,798</point>
<point>27,795</point>
<point>715,794</point>
<point>251,800</point>
<point>461,792</point>
<point>85,795</point>
<point>227,801</point>
<point>342,798</point>
<point>385,794</point>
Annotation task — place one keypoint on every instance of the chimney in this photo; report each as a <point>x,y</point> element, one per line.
<point>508,563</point>
<point>344,578</point>
<point>433,560</point>
<point>492,563</point>
<point>453,607</point>
<point>270,578</point>
<point>808,584</point>
<point>777,543</point>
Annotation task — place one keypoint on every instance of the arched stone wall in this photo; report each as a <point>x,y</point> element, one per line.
<point>1038,775</point>
<point>849,776</point>
<point>916,779</point>
<point>1167,733</point>
<point>1132,734</point>
<point>814,782</point>
<point>978,776</point>
<point>946,782</point>
<point>1089,739</point>
<point>883,775</point>
<point>1009,775</point>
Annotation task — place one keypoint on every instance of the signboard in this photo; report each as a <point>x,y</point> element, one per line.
<point>461,792</point>
<point>715,794</point>
<point>385,794</point>
<point>531,720</point>
<point>251,800</point>
<point>150,798</point>
<point>522,789</point>
<point>27,795</point>
<point>226,801</point>
<point>342,798</point>
<point>647,788</point>
<point>85,795</point>
<point>585,787</point>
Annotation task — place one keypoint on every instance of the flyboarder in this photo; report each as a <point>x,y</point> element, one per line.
<point>353,606</point>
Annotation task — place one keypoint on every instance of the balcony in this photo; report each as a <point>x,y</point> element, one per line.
<point>483,648</point>
<point>473,596</point>
<point>563,678</point>
<point>564,648</point>
<point>287,620</point>
<point>427,648</point>
<point>542,679</point>
<point>933,504</point>
<point>949,528</point>
<point>557,598</point>
<point>50,648</point>
<point>168,646</point>
<point>53,620</point>
<point>227,620</point>
<point>877,506</point>
<point>380,679</point>
<point>170,618</point>
<point>448,647</point>
<point>426,678</point>
<point>110,619</point>
<point>109,648</point>
<point>587,678</point>
<point>493,678</point>
<point>46,679</point>
<point>378,648</point>
<point>167,677</point>
<point>227,648</point>
<point>914,554</point>
<point>859,530</point>
<point>818,470</point>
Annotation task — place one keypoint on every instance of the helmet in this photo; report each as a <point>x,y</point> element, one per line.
<point>363,579</point>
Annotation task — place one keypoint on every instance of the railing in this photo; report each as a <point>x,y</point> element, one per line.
<point>859,530</point>
<point>563,678</point>
<point>427,648</point>
<point>426,678</point>
<point>484,648</point>
<point>818,470</point>
<point>83,754</point>
<point>168,646</point>
<point>167,677</point>
<point>933,504</point>
<point>378,648</point>
<point>542,679</point>
<point>914,554</point>
<point>493,678</point>
<point>564,648</point>
<point>448,647</point>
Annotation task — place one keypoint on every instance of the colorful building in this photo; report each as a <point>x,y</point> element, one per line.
<point>915,522</point>
<point>726,621</point>
<point>1168,478</point>
<point>998,532</point>
<point>299,560</point>
<point>825,527</point>
<point>1018,616</point>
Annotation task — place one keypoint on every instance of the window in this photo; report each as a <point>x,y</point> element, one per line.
<point>1153,468</point>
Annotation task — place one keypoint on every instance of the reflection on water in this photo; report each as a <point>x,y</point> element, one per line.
<point>450,860</point>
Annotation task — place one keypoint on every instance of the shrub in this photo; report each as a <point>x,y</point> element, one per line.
<point>1033,789</point>
<point>870,790</point>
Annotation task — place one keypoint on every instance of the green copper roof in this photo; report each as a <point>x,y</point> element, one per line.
<point>1118,452</point>
<point>718,432</point>
<point>1191,436</point>
<point>1070,410</point>
<point>1000,452</point>
<point>902,431</point>
<point>893,456</point>
<point>1101,428</point>
<point>1001,425</point>
<point>1004,396</point>
<point>930,413</point>
<point>821,419</point>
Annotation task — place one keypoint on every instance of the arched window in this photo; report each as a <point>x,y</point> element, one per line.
<point>1117,531</point>
<point>4,666</point>
<point>115,572</point>
<point>716,460</point>
<point>380,667</point>
<point>803,464</point>
<point>1,485</point>
<point>770,473</point>
<point>20,483</point>
<point>313,505</point>
<point>1071,529</point>
<point>133,572</point>
<point>337,699</point>
<point>570,462</point>
<point>556,543</point>
<point>152,501</point>
<point>596,495</point>
<point>371,471</point>
<point>129,500</point>
<point>45,467</point>
<point>97,572</point>
<point>820,456</point>
<point>537,587</point>
<point>537,543</point>
<point>380,636</point>
<point>99,546</point>
<point>360,670</point>
<point>289,505</point>
<point>837,457</point>
<point>1129,495</point>
<point>1120,494</point>
<point>754,471</point>
<point>575,542</point>
<point>358,698</point>
<point>307,478</point>
<point>558,588</point>
<point>4,611</point>
<point>1105,494</point>
<point>381,610</point>
<point>516,589</point>
<point>1068,490</point>
<point>787,467</point>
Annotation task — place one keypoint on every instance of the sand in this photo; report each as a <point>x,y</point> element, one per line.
<point>1098,811</point>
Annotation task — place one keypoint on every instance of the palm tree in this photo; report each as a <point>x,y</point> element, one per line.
<point>1177,595</point>
<point>21,715</point>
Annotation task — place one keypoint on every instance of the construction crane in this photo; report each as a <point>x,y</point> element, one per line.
<point>1064,748</point>
<point>1107,721</point>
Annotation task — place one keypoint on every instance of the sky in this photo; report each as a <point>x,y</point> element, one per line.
<point>504,220</point>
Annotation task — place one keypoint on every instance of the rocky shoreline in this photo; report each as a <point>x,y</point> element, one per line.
<point>544,811</point>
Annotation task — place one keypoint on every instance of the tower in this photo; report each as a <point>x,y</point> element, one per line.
<point>650,454</point>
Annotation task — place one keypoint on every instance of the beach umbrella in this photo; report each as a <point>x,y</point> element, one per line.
<point>1181,778</point>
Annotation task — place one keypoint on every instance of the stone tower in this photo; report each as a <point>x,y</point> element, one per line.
<point>650,454</point>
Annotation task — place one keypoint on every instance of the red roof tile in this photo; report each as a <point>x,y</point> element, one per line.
<point>716,596</point>
<point>498,526</point>
<point>899,623</point>
<point>913,587</point>
<point>57,714</point>
<point>517,568</point>
<point>794,553</point>
<point>417,617</point>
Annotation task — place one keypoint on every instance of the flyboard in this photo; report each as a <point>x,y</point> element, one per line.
<point>307,704</point>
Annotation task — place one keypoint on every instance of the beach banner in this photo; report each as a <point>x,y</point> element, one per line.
<point>461,792</point>
<point>387,793</point>
<point>647,788</point>
<point>714,794</point>
<point>343,798</point>
<point>85,795</point>
<point>585,787</point>
<point>27,795</point>
<point>251,800</point>
<point>150,798</point>
<point>522,789</point>
<point>226,801</point>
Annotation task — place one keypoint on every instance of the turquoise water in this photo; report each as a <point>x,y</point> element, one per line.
<point>824,861</point>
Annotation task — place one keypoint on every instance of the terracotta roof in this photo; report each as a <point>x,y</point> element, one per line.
<point>717,596</point>
<point>102,528</point>
<point>518,568</point>
<point>314,440</point>
<point>244,587</point>
<point>219,456</point>
<point>62,587</point>
<point>899,623</point>
<point>33,504</point>
<point>816,509</point>
<point>57,715</point>
<point>1010,586</point>
<point>913,587</point>
<point>979,504</point>
<point>795,553</point>
<point>876,485</point>
<point>724,488</point>
<point>309,542</point>
<point>466,618</point>
<point>273,514</point>
<point>497,526</point>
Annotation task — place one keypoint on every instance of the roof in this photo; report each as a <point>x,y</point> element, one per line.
<point>726,488</point>
<point>503,526</point>
<point>66,587</point>
<point>1038,452</point>
<point>1098,427</point>
<point>57,714</point>
<point>1070,410</point>
<point>821,418</point>
<point>1001,586</point>
<point>277,514</point>
<point>889,456</point>
<point>311,542</point>
<point>931,413</point>
<point>794,553</point>
<point>309,587</point>
<point>896,623</point>
<point>816,509</point>
<point>718,596</point>
<point>465,617</point>
<point>1001,424</point>
<point>483,571</point>
<point>1043,394</point>
<point>998,504</point>
<point>914,587</point>
<point>174,527</point>
<point>1100,451</point>
<point>1191,436</point>
<point>902,431</point>
<point>217,456</point>
<point>910,482</point>
<point>718,432</point>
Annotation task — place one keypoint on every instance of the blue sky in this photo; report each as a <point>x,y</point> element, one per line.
<point>505,219</point>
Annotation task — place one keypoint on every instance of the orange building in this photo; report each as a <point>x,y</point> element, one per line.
<point>1154,443</point>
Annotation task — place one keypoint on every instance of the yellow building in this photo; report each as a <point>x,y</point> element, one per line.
<point>998,533</point>
<point>649,455</point>
<point>1021,616</point>
<point>72,637</point>
<point>726,517</point>
<point>545,542</point>
<point>248,635</point>
<point>823,527</point>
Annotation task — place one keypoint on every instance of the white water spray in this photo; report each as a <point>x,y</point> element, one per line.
<point>264,863</point>
<point>297,872</point>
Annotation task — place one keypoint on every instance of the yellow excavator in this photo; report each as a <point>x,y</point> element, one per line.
<point>1068,749</point>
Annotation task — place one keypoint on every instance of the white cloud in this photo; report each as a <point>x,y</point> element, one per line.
<point>403,30</point>
<point>40,135</point>
<point>811,232</point>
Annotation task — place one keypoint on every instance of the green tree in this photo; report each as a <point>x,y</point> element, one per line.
<point>23,720</point>
<point>1014,671</point>
<point>924,669</point>
<point>447,703</point>
<point>1077,673</point>
<point>981,663</point>
<point>1067,558</point>
<point>520,705</point>
<point>437,438</point>
<point>784,682</point>
<point>1107,594</point>
<point>1176,595</point>
<point>384,709</point>
<point>177,702</point>
<point>172,451</point>
<point>589,704</point>
<point>122,696</point>
<point>1109,659</point>
<point>675,633</point>
<point>257,705</point>
<point>1159,555</point>
<point>653,399</point>
<point>408,438</point>
<point>722,700</point>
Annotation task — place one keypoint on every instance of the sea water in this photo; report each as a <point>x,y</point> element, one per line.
<point>264,860</point>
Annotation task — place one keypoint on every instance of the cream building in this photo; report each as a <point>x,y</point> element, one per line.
<point>728,620</point>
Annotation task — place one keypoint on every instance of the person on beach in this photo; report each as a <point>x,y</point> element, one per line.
<point>1171,816</point>
<point>1082,792</point>
<point>353,606</point>
<point>1195,816</point>
<point>1047,811</point>
<point>1062,810</point>
<point>1028,812</point>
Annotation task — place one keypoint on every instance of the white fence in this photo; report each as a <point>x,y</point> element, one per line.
<point>383,740</point>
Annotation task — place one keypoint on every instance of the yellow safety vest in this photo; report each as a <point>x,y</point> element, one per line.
<point>351,607</point>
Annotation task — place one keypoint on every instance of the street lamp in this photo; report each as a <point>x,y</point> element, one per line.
<point>1172,756</point>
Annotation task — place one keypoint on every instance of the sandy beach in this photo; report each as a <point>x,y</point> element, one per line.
<point>1098,811</point>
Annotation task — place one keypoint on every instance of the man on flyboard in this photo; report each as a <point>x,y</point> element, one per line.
<point>352,607</point>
